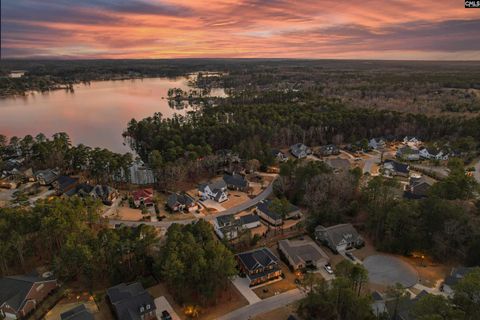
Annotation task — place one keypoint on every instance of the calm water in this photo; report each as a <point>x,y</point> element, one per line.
<point>94,114</point>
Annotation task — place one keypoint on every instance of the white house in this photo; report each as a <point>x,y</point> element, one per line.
<point>216,190</point>
<point>433,154</point>
<point>250,221</point>
<point>412,142</point>
<point>299,150</point>
<point>376,144</point>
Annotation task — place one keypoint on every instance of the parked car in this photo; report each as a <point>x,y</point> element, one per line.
<point>166,315</point>
<point>328,268</point>
<point>350,256</point>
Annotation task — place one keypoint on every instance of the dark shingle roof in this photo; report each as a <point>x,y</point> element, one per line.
<point>249,219</point>
<point>264,206</point>
<point>127,300</point>
<point>78,313</point>
<point>398,167</point>
<point>175,198</point>
<point>456,275</point>
<point>235,180</point>
<point>257,258</point>
<point>65,181</point>
<point>14,289</point>
<point>226,220</point>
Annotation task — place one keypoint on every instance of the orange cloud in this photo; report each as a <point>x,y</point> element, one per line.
<point>401,29</point>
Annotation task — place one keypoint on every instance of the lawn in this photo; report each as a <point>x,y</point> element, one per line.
<point>278,287</point>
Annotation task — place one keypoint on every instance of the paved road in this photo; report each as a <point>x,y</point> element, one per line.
<point>264,306</point>
<point>241,207</point>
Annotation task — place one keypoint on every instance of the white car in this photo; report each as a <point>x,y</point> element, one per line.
<point>328,268</point>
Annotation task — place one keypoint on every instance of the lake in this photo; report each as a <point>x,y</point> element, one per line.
<point>94,114</point>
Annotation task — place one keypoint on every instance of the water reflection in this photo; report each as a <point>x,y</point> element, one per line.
<point>94,114</point>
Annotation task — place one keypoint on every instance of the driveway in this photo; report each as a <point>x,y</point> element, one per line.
<point>264,305</point>
<point>212,204</point>
<point>389,270</point>
<point>112,210</point>
<point>162,304</point>
<point>242,284</point>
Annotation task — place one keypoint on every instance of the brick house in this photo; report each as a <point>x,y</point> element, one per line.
<point>20,295</point>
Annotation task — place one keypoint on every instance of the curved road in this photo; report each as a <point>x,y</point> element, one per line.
<point>241,207</point>
<point>266,305</point>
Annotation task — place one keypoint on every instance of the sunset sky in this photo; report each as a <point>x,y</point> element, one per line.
<point>381,29</point>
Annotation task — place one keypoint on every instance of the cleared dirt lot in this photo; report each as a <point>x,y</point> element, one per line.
<point>129,214</point>
<point>234,199</point>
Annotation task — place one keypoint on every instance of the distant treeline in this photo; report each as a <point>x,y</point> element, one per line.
<point>251,129</point>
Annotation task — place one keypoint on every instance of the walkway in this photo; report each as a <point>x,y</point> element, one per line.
<point>243,285</point>
<point>263,306</point>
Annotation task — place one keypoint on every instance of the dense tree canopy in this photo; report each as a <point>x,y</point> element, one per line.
<point>194,264</point>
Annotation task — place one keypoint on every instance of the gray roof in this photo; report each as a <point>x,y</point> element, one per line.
<point>339,232</point>
<point>398,167</point>
<point>303,251</point>
<point>48,175</point>
<point>456,275</point>
<point>226,220</point>
<point>128,299</point>
<point>258,258</point>
<point>176,198</point>
<point>249,219</point>
<point>298,148</point>
<point>14,289</point>
<point>235,180</point>
<point>216,184</point>
<point>264,206</point>
<point>65,181</point>
<point>78,313</point>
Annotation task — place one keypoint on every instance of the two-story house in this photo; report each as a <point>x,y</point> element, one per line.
<point>20,295</point>
<point>259,265</point>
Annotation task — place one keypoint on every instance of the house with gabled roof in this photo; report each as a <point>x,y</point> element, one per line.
<point>259,265</point>
<point>78,313</point>
<point>236,182</point>
<point>302,254</point>
<point>64,184</point>
<point>265,212</point>
<point>456,274</point>
<point>250,221</point>
<point>46,177</point>
<point>327,150</point>
<point>279,155</point>
<point>407,153</point>
<point>433,154</point>
<point>339,237</point>
<point>20,295</point>
<point>143,197</point>
<point>229,226</point>
<point>377,143</point>
<point>394,168</point>
<point>131,302</point>
<point>214,190</point>
<point>300,151</point>
<point>418,187</point>
<point>181,202</point>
